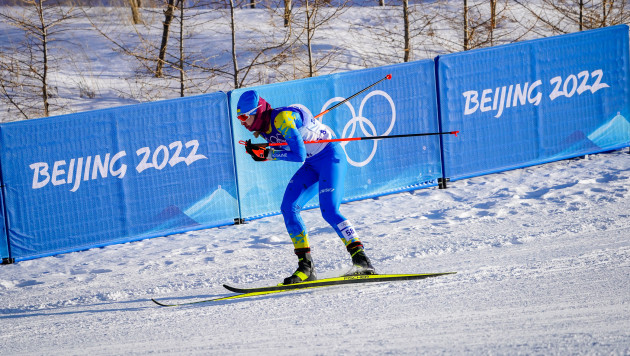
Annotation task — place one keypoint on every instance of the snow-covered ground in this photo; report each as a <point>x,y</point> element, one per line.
<point>542,255</point>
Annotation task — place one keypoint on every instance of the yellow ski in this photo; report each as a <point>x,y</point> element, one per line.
<point>349,279</point>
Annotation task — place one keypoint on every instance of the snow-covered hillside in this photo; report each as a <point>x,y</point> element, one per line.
<point>112,61</point>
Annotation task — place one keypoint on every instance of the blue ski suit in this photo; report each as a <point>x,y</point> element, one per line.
<point>323,172</point>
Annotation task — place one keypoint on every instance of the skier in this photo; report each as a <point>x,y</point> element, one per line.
<point>323,163</point>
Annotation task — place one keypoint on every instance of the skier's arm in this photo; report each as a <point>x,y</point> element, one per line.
<point>285,123</point>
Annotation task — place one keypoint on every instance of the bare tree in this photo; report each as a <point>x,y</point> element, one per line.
<point>466,24</point>
<point>613,12</point>
<point>407,35</point>
<point>135,6</point>
<point>256,54</point>
<point>480,23</point>
<point>287,12</point>
<point>182,67</point>
<point>25,80</point>
<point>566,16</point>
<point>317,14</point>
<point>168,18</point>
<point>580,5</point>
<point>310,32</point>
<point>493,20</point>
<point>400,32</point>
<point>417,27</point>
<point>182,72</point>
<point>233,33</point>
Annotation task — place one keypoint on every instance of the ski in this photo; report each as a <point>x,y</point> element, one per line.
<point>326,282</point>
<point>230,297</point>
<point>348,279</point>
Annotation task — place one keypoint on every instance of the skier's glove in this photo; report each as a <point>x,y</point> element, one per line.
<point>258,153</point>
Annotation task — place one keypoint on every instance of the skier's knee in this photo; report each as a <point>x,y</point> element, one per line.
<point>332,216</point>
<point>289,209</point>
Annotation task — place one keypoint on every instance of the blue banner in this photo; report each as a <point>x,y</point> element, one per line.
<point>403,105</point>
<point>116,175</point>
<point>536,101</point>
<point>4,239</point>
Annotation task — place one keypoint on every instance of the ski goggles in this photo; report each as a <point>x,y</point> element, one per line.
<point>244,116</point>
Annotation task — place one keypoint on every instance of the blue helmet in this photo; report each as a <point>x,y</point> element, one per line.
<point>247,103</point>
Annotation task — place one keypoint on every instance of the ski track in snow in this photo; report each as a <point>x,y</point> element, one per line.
<point>542,255</point>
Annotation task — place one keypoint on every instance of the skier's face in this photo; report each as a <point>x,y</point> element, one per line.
<point>247,120</point>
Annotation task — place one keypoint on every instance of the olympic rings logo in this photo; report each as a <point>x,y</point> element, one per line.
<point>363,121</point>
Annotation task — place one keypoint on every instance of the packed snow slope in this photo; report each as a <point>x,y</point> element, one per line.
<point>542,255</point>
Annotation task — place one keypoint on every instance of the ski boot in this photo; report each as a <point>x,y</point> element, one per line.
<point>306,268</point>
<point>360,261</point>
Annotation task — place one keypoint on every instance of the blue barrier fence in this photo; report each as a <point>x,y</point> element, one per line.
<point>535,102</point>
<point>109,176</point>
<point>4,239</point>
<point>116,175</point>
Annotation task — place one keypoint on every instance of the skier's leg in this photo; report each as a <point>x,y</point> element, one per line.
<point>300,190</point>
<point>332,170</point>
<point>332,173</point>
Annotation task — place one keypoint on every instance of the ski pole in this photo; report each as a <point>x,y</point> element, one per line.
<point>356,138</point>
<point>388,77</point>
